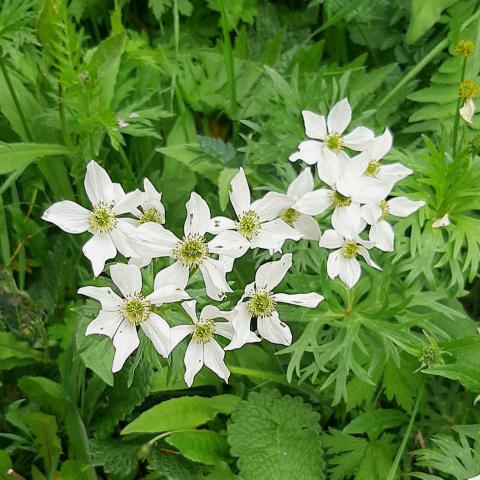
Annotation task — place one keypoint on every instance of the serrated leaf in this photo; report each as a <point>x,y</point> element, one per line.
<point>181,413</point>
<point>276,437</point>
<point>116,457</point>
<point>376,421</point>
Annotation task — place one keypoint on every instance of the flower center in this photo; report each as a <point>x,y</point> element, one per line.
<point>262,303</point>
<point>204,331</point>
<point>350,250</point>
<point>373,168</point>
<point>340,200</point>
<point>249,224</point>
<point>384,208</point>
<point>102,219</point>
<point>136,309</point>
<point>151,215</point>
<point>191,251</point>
<point>469,89</point>
<point>289,215</point>
<point>334,141</point>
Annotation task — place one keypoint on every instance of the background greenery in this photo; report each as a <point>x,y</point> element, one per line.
<point>378,383</point>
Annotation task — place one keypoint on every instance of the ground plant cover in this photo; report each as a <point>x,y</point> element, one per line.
<point>239,239</point>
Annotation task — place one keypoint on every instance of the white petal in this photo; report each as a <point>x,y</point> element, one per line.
<point>211,312</point>
<point>129,203</point>
<point>403,206</point>
<point>191,308</point>
<point>214,276</point>
<point>167,294</point>
<point>349,271</point>
<point>381,233</point>
<point>309,300</point>
<point>381,145</point>
<point>371,213</point>
<point>153,199</point>
<point>193,361</point>
<point>274,330</point>
<point>106,323</point>
<point>227,262</point>
<point>302,185</point>
<point>364,253</point>
<point>105,295</point>
<point>315,125</point>
<point>271,205</point>
<point>98,185</point>
<point>308,227</point>
<point>309,151</point>
<point>121,237</point>
<point>339,117</point>
<point>127,278</point>
<point>125,342</point>
<point>393,172</point>
<point>229,243</point>
<point>198,216</point>
<point>178,333</point>
<point>69,216</point>
<point>98,250</point>
<point>368,189</point>
<point>175,274</point>
<point>468,110</point>
<point>219,224</point>
<point>241,326</point>
<point>240,193</point>
<point>153,240</point>
<point>213,356</point>
<point>441,222</point>
<point>270,274</point>
<point>158,331</point>
<point>330,167</point>
<point>333,264</point>
<point>359,139</point>
<point>272,235</point>
<point>331,239</point>
<point>225,329</point>
<point>347,221</point>
<point>314,203</point>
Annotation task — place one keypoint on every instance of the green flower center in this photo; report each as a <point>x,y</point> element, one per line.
<point>289,215</point>
<point>373,168</point>
<point>350,250</point>
<point>249,224</point>
<point>262,303</point>
<point>204,331</point>
<point>431,355</point>
<point>340,200</point>
<point>334,141</point>
<point>191,251</point>
<point>151,215</point>
<point>384,208</point>
<point>102,219</point>
<point>469,89</point>
<point>136,309</point>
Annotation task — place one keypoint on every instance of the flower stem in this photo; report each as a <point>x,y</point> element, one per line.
<point>457,111</point>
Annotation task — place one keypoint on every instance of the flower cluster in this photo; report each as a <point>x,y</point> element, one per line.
<point>356,191</point>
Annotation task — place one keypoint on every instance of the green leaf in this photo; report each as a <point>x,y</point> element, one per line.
<point>14,353</point>
<point>244,10</point>
<point>424,14</point>
<point>44,428</point>
<point>224,180</point>
<point>5,461</point>
<point>181,413</point>
<point>376,421</point>
<point>202,446</point>
<point>16,156</point>
<point>276,437</point>
<point>116,457</point>
<point>466,375</point>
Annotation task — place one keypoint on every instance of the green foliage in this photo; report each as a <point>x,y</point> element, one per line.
<point>14,353</point>
<point>276,436</point>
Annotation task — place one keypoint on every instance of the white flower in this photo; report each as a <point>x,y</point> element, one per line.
<point>468,110</point>
<point>329,132</point>
<point>108,202</point>
<point>258,222</point>
<point>122,123</point>
<point>120,316</point>
<point>152,240</point>
<point>477,477</point>
<point>203,349</point>
<point>441,222</point>
<point>260,302</point>
<point>343,262</point>
<point>381,232</point>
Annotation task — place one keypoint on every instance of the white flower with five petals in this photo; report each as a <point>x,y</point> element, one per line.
<point>203,349</point>
<point>108,202</point>
<point>260,302</point>
<point>152,240</point>
<point>375,214</point>
<point>120,316</point>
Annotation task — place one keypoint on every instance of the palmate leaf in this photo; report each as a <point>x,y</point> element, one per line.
<point>276,437</point>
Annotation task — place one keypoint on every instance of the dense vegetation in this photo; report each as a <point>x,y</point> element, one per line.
<point>378,378</point>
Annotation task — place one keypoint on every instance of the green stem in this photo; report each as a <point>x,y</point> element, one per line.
<point>457,112</point>
<point>28,132</point>
<point>21,252</point>
<point>406,436</point>
<point>229,62</point>
<point>61,112</point>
